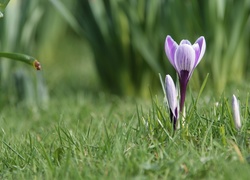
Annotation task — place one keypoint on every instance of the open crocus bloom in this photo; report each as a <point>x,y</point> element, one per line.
<point>184,58</point>
<point>172,99</point>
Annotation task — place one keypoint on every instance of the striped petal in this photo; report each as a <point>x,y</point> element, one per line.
<point>184,58</point>
<point>170,49</point>
<point>201,42</point>
<point>171,95</point>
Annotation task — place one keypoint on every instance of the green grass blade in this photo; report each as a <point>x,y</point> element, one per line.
<point>12,149</point>
<point>3,4</point>
<point>66,14</point>
<point>201,89</point>
<point>23,58</point>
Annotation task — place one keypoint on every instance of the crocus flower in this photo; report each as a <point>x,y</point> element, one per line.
<point>184,58</point>
<point>172,99</point>
<point>236,112</point>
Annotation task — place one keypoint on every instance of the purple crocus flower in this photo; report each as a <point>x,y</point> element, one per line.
<point>172,99</point>
<point>184,58</point>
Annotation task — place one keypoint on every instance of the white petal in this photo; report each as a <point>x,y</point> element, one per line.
<point>171,94</point>
<point>236,112</point>
<point>184,41</point>
<point>202,44</point>
<point>185,58</point>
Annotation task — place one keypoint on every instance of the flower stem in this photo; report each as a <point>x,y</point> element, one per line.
<point>183,79</point>
<point>183,89</point>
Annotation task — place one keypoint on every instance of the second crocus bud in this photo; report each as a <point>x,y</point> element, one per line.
<point>172,99</point>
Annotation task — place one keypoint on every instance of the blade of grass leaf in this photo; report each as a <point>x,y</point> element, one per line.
<point>13,150</point>
<point>192,109</point>
<point>67,15</point>
<point>165,130</point>
<point>46,157</point>
<point>201,89</point>
<point>162,85</point>
<point>23,58</point>
<point>205,137</point>
<point>246,107</point>
<point>3,4</point>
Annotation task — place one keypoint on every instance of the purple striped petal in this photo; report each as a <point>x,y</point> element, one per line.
<point>184,58</point>
<point>170,49</point>
<point>196,48</point>
<point>202,46</point>
<point>171,95</point>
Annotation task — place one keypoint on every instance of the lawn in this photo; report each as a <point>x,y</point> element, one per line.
<point>93,135</point>
<point>85,132</point>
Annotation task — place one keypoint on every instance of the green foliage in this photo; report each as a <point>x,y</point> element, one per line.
<point>127,39</point>
<point>93,136</point>
<point>124,58</point>
<point>18,34</point>
<point>227,28</point>
<point>3,4</point>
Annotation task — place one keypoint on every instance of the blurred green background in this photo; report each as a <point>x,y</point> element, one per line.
<point>117,46</point>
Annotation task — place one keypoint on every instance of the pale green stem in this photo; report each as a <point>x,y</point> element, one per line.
<point>23,58</point>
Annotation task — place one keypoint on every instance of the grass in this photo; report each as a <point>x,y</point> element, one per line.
<point>89,136</point>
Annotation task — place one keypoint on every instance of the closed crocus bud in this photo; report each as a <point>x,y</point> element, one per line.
<point>172,99</point>
<point>236,112</point>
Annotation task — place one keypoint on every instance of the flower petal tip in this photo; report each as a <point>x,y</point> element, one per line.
<point>170,48</point>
